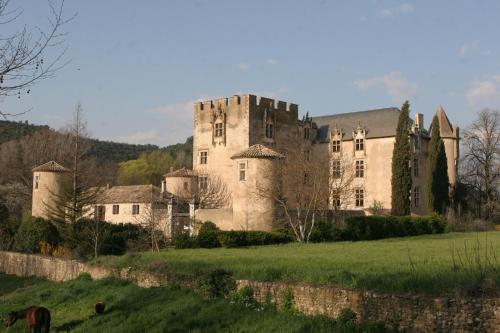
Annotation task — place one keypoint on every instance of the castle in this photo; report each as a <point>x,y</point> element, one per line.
<point>242,142</point>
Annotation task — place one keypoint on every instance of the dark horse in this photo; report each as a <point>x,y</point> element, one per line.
<point>37,318</point>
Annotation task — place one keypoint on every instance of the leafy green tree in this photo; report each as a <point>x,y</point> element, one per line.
<point>401,172</point>
<point>438,182</point>
<point>32,231</point>
<point>147,169</point>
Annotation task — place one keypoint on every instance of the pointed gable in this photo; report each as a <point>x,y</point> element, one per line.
<point>445,128</point>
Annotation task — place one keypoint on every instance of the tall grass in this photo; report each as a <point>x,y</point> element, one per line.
<point>167,309</point>
<point>422,264</point>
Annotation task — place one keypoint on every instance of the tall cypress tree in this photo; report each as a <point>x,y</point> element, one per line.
<point>438,182</point>
<point>401,172</point>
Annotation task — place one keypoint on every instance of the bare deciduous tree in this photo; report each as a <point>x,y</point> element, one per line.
<point>24,56</point>
<point>300,190</point>
<point>341,182</point>
<point>481,161</point>
<point>212,192</point>
<point>154,220</point>
<point>76,198</point>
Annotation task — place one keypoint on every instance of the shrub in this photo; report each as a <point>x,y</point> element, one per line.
<point>207,236</point>
<point>251,238</point>
<point>184,241</point>
<point>245,297</point>
<point>326,232</point>
<point>32,231</point>
<point>287,300</point>
<point>216,283</point>
<point>378,227</point>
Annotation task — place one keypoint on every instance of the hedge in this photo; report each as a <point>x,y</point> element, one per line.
<point>251,238</point>
<point>378,227</point>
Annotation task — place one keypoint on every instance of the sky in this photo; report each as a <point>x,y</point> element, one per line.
<point>137,67</point>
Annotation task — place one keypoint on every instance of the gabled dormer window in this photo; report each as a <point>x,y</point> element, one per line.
<point>360,144</point>
<point>336,146</point>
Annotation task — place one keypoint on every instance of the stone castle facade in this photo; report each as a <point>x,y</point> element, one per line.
<point>241,143</point>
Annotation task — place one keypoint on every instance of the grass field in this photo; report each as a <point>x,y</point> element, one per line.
<point>132,309</point>
<point>432,264</point>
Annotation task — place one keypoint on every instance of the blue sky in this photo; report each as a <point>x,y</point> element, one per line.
<point>137,66</point>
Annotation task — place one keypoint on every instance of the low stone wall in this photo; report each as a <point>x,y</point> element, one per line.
<point>403,312</point>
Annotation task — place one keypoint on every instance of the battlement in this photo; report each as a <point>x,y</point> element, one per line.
<point>251,100</point>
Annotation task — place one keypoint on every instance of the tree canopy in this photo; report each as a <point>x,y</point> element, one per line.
<point>438,182</point>
<point>401,172</point>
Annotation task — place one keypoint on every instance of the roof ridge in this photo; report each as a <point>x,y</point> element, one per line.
<point>357,112</point>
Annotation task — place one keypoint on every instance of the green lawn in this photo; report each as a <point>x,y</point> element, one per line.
<point>133,309</point>
<point>432,264</point>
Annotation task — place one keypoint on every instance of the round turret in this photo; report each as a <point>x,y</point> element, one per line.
<point>182,183</point>
<point>47,183</point>
<point>254,206</point>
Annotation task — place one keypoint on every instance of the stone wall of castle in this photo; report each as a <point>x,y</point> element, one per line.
<point>46,184</point>
<point>408,313</point>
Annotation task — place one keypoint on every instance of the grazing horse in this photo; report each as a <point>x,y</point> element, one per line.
<point>37,318</point>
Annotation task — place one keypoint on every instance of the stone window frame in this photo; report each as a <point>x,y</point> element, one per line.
<point>135,209</point>
<point>307,133</point>
<point>359,197</point>
<point>116,209</point>
<point>203,182</point>
<point>242,171</point>
<point>203,156</point>
<point>336,202</point>
<point>359,169</point>
<point>416,196</point>
<point>336,146</point>
<point>336,168</point>
<point>37,182</point>
<point>218,122</point>
<point>359,144</point>
<point>269,124</point>
<point>416,167</point>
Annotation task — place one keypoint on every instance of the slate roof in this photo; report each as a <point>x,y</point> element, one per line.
<point>129,194</point>
<point>183,172</point>
<point>445,128</point>
<point>51,166</point>
<point>378,123</point>
<point>258,151</point>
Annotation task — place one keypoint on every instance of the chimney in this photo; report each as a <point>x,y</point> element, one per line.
<point>171,168</point>
<point>419,120</point>
<point>107,186</point>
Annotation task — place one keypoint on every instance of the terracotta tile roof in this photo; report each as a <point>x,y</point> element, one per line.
<point>51,166</point>
<point>183,172</point>
<point>129,194</point>
<point>258,151</point>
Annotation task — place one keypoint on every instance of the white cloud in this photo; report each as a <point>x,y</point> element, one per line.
<point>484,94</point>
<point>271,61</point>
<point>473,48</point>
<point>404,8</point>
<point>242,66</point>
<point>139,137</point>
<point>396,85</point>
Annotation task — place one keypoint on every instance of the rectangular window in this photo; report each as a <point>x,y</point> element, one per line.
<point>203,157</point>
<point>360,144</point>
<point>416,170</point>
<point>416,196</point>
<point>269,131</point>
<point>116,209</point>
<point>336,146</point>
<point>135,209</point>
<point>242,171</point>
<point>336,201</point>
<point>336,169</point>
<point>203,182</point>
<point>306,132</point>
<point>99,213</point>
<point>306,178</point>
<point>219,129</point>
<point>307,155</point>
<point>37,179</point>
<point>360,169</point>
<point>360,197</point>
